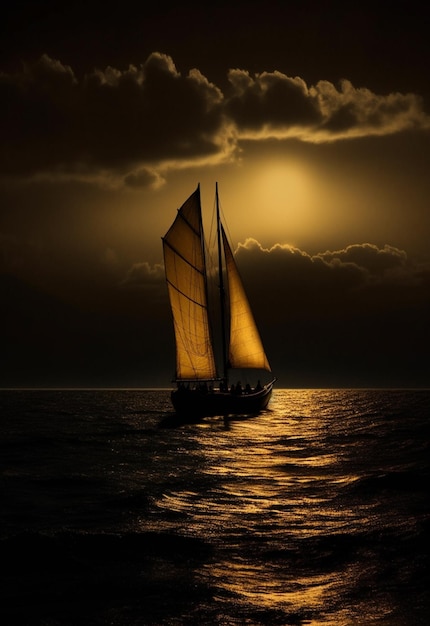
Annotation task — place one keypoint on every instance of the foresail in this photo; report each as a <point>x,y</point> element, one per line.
<point>245,346</point>
<point>184,262</point>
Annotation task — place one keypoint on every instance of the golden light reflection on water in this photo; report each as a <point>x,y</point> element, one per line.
<point>262,586</point>
<point>268,463</point>
<point>272,492</point>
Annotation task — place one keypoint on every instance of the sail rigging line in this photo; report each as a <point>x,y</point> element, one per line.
<point>183,258</point>
<point>188,223</point>
<point>186,296</point>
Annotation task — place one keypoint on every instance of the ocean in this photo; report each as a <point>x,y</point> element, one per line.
<point>314,513</point>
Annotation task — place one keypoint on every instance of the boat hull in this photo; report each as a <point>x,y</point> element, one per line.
<point>197,403</point>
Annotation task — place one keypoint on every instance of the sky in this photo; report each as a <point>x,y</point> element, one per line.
<point>314,119</point>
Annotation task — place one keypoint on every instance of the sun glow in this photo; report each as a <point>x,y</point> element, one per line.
<point>285,184</point>
<point>298,201</point>
<point>284,192</point>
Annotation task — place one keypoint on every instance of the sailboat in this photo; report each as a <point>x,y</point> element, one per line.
<point>202,390</point>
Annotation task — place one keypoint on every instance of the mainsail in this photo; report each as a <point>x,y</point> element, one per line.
<point>185,267</point>
<point>245,345</point>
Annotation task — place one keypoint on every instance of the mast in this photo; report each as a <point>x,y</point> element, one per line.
<point>221,288</point>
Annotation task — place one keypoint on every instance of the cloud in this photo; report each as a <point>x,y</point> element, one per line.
<point>360,276</point>
<point>144,177</point>
<point>143,275</point>
<point>273,105</point>
<point>350,112</point>
<point>110,122</point>
<point>270,104</point>
<point>376,262</point>
<point>366,260</point>
<point>132,125</point>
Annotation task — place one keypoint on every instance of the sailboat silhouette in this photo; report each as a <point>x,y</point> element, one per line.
<point>201,390</point>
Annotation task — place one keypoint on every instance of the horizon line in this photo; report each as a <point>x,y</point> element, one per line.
<point>346,388</point>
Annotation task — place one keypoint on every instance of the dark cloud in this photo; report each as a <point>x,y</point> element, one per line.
<point>375,261</point>
<point>111,120</point>
<point>271,102</point>
<point>350,274</point>
<point>356,316</point>
<point>144,275</point>
<point>353,112</point>
<point>144,177</point>
<point>135,124</point>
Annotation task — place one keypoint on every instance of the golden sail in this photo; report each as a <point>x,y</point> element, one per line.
<point>201,390</point>
<point>185,267</point>
<point>245,346</point>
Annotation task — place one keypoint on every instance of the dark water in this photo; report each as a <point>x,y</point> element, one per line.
<point>315,513</point>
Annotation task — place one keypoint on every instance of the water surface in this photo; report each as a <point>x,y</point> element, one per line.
<point>316,512</point>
